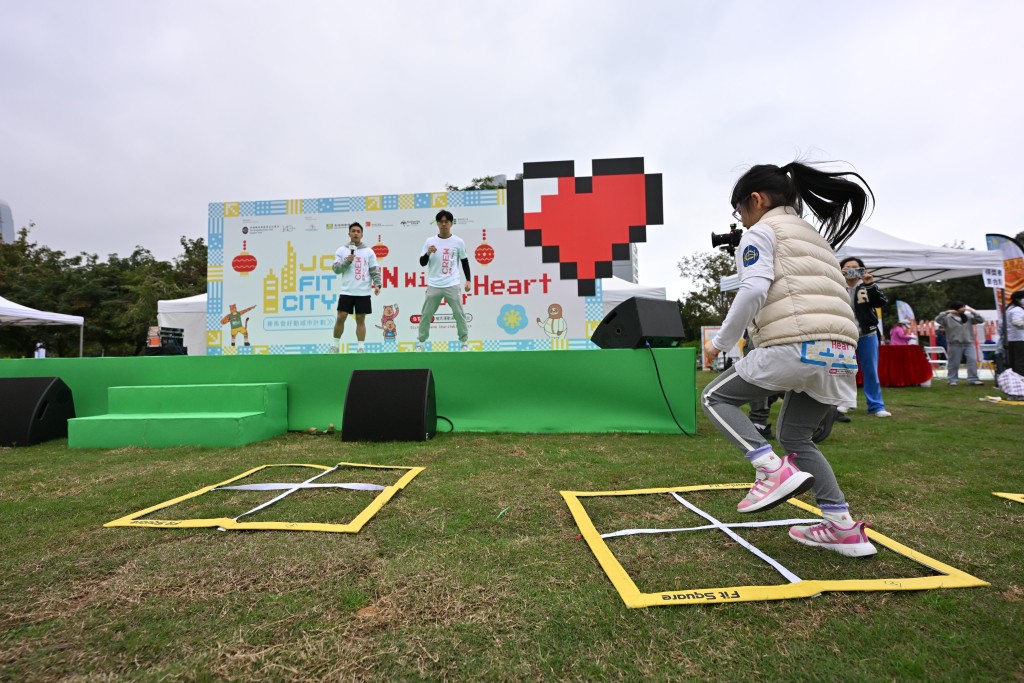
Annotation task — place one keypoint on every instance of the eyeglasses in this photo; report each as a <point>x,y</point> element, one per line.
<point>736,209</point>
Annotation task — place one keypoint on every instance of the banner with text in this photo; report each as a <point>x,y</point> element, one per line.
<point>272,289</point>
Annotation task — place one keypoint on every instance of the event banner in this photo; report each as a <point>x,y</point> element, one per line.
<point>1013,263</point>
<point>272,288</point>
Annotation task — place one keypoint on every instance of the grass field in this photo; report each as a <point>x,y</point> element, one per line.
<point>477,571</point>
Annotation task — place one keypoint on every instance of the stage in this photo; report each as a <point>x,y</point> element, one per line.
<point>515,392</point>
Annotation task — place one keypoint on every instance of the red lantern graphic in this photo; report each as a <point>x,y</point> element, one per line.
<point>244,263</point>
<point>484,253</point>
<point>379,250</point>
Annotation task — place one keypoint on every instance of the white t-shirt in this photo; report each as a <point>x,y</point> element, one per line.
<point>445,263</point>
<point>355,280</point>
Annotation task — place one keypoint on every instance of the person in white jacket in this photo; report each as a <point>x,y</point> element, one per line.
<point>1015,332</point>
<point>794,303</point>
<point>357,265</point>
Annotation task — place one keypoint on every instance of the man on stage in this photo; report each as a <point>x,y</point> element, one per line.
<point>357,265</point>
<point>441,255</point>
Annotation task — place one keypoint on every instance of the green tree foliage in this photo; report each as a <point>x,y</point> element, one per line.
<point>705,304</point>
<point>117,297</point>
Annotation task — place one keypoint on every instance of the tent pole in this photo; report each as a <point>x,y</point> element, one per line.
<point>81,338</point>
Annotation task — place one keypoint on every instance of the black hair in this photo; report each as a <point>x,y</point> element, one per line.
<point>860,264</point>
<point>444,213</point>
<point>1017,296</point>
<point>839,203</point>
<point>956,305</point>
<point>355,225</point>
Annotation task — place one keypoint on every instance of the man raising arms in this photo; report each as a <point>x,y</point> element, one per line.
<point>441,255</point>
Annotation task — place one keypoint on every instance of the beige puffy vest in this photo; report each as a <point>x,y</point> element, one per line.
<point>808,300</point>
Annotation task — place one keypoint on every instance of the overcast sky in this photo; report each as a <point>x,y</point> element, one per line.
<point>120,121</point>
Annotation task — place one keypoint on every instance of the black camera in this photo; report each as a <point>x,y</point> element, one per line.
<point>728,240</point>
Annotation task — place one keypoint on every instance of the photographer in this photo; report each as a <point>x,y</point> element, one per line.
<point>865,297</point>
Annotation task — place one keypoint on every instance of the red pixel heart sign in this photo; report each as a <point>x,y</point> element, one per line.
<point>592,220</point>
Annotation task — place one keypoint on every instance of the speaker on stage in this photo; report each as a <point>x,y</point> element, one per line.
<point>637,322</point>
<point>34,410</point>
<point>390,405</point>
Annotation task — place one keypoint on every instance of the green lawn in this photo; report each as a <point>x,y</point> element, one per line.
<point>476,570</point>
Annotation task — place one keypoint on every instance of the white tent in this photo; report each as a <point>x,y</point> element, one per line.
<point>16,315</point>
<point>616,290</point>
<point>894,261</point>
<point>190,315</point>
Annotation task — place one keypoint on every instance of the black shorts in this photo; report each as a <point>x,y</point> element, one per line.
<point>354,304</point>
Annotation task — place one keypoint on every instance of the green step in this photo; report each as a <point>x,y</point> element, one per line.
<point>214,415</point>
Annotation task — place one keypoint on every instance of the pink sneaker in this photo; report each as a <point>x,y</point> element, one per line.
<point>772,487</point>
<point>852,541</point>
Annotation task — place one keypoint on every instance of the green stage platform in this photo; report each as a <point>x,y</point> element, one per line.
<point>164,416</point>
<point>522,392</point>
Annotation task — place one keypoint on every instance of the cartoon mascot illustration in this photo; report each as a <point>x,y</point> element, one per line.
<point>387,322</point>
<point>555,326</point>
<point>234,317</point>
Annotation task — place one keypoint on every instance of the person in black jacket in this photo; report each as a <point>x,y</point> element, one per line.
<point>865,297</point>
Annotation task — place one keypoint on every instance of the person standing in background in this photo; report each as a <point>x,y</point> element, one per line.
<point>959,322</point>
<point>865,297</point>
<point>1015,332</point>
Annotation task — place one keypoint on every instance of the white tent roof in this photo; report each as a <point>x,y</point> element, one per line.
<point>618,290</point>
<point>894,261</point>
<point>22,316</point>
<point>190,304</point>
<point>16,315</point>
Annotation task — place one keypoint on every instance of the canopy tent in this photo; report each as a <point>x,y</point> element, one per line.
<point>894,261</point>
<point>616,290</point>
<point>188,314</point>
<point>16,315</point>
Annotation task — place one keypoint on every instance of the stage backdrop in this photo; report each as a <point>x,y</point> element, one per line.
<point>270,267</point>
<point>537,250</point>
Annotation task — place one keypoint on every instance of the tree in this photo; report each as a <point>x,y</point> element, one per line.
<point>117,297</point>
<point>706,304</point>
<point>487,182</point>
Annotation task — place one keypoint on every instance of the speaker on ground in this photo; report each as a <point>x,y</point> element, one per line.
<point>34,410</point>
<point>637,322</point>
<point>390,405</point>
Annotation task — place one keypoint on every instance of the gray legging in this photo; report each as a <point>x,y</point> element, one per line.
<point>430,303</point>
<point>799,417</point>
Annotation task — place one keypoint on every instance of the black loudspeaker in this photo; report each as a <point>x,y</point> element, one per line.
<point>34,410</point>
<point>636,322</point>
<point>390,405</point>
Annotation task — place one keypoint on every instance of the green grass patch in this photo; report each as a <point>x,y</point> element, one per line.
<point>476,570</point>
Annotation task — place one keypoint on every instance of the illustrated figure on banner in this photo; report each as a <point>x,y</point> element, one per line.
<point>387,322</point>
<point>555,326</point>
<point>238,326</point>
<point>794,302</point>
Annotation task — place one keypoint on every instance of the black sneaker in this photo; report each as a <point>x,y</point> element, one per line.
<point>842,417</point>
<point>765,432</point>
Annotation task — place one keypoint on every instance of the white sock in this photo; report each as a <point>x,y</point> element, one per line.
<point>842,519</point>
<point>768,461</point>
<point>337,341</point>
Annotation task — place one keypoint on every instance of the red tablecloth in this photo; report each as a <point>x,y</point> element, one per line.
<point>901,366</point>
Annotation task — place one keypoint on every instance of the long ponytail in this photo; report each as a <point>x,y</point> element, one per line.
<point>835,200</point>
